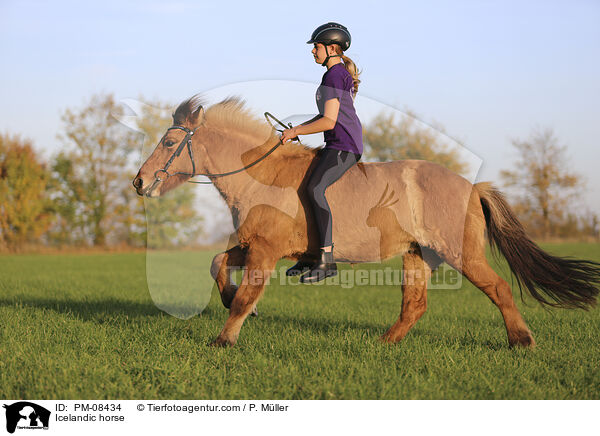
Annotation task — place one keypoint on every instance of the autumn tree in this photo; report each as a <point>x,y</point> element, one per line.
<point>91,173</point>
<point>388,137</point>
<point>545,185</point>
<point>24,207</point>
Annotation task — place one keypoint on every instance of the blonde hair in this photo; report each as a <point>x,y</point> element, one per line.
<point>350,67</point>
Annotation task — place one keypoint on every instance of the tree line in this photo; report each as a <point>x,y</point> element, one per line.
<point>82,195</point>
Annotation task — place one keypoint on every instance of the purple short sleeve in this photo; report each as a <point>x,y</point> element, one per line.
<point>332,87</point>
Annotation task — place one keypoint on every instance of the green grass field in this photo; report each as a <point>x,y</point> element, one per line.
<point>85,327</point>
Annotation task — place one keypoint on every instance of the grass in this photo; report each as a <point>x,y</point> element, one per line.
<point>85,327</point>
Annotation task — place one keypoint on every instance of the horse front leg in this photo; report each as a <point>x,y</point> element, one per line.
<point>222,267</point>
<point>260,263</point>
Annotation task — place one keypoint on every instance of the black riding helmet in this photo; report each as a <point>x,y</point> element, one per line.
<point>331,33</point>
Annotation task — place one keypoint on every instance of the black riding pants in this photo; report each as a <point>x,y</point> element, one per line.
<point>331,166</point>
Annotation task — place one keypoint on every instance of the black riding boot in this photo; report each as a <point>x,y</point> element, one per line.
<point>301,267</point>
<point>324,268</point>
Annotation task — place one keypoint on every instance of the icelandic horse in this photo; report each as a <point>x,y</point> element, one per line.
<point>424,212</point>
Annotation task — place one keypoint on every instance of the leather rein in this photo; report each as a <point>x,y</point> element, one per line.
<point>187,143</point>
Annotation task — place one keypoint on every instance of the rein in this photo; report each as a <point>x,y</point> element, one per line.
<point>187,142</point>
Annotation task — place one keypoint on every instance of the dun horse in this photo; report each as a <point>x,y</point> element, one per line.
<point>412,208</point>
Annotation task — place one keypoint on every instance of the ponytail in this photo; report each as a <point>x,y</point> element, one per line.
<point>350,67</point>
<point>353,70</point>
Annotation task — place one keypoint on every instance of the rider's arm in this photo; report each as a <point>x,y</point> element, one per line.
<point>316,117</point>
<point>321,123</point>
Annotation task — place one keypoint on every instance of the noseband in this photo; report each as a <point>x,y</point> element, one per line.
<point>187,142</point>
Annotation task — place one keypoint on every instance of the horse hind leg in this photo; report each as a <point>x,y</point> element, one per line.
<point>478,271</point>
<point>473,264</point>
<point>481,274</point>
<point>415,274</point>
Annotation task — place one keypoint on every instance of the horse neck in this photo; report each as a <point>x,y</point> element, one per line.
<point>230,151</point>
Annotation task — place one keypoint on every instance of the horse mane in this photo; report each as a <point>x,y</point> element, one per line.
<point>232,114</point>
<point>184,111</point>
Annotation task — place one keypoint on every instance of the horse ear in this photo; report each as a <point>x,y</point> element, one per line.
<point>197,116</point>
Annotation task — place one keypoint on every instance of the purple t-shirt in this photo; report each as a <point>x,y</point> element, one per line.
<point>347,133</point>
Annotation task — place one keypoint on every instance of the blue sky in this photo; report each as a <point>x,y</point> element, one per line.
<point>488,71</point>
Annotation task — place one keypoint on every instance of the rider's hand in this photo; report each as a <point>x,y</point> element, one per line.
<point>288,134</point>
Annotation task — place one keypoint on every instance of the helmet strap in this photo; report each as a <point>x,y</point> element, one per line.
<point>329,56</point>
<point>327,59</point>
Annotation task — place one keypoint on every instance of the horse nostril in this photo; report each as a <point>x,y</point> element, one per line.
<point>138,182</point>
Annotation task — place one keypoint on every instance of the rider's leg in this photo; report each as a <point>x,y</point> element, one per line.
<point>331,166</point>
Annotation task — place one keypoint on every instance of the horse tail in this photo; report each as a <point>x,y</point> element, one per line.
<point>551,280</point>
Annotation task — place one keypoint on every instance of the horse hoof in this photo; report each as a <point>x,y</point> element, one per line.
<point>220,342</point>
<point>524,339</point>
<point>254,311</point>
<point>388,339</point>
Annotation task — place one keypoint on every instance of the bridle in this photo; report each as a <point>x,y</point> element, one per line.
<point>187,143</point>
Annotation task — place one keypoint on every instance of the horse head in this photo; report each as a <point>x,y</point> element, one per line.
<point>177,156</point>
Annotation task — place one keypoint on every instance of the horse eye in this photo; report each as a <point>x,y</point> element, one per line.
<point>169,144</point>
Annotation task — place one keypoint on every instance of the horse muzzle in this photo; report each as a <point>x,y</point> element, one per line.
<point>145,189</point>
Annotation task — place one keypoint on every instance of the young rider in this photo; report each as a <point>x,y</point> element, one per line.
<point>343,137</point>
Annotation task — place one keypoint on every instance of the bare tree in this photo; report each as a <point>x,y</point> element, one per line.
<point>546,187</point>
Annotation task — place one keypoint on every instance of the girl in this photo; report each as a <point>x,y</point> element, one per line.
<point>343,137</point>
